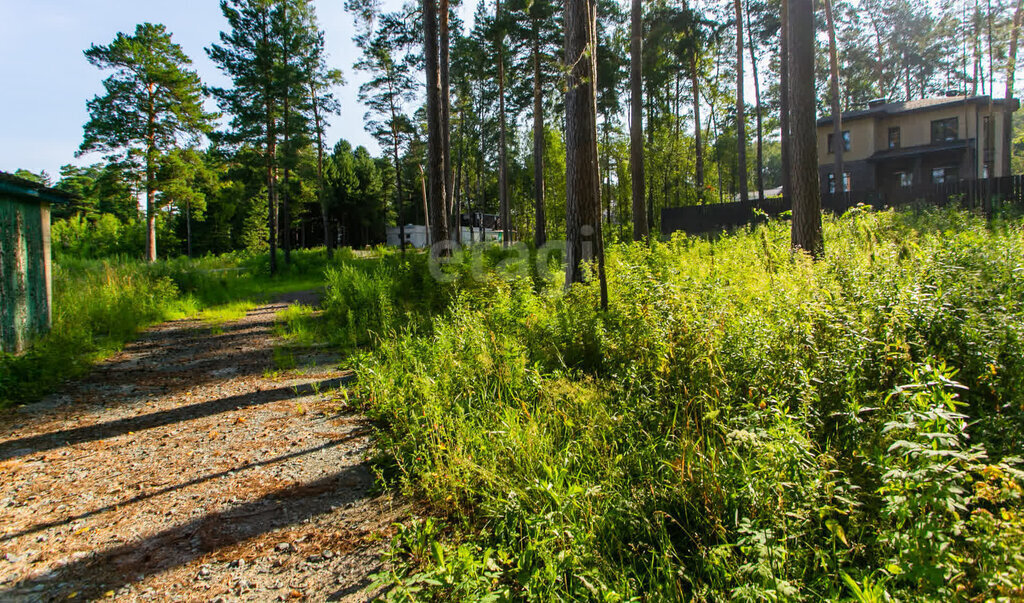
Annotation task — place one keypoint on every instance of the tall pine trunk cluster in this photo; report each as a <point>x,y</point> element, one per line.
<point>506,215</point>
<point>636,116</point>
<point>741,114</point>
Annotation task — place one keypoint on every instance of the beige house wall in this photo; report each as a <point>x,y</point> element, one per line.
<point>870,135</point>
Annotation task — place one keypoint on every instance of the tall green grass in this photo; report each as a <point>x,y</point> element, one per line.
<point>740,424</point>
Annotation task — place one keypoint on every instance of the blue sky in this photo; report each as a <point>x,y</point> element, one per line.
<point>45,80</point>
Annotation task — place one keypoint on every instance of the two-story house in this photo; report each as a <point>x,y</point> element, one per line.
<point>894,146</point>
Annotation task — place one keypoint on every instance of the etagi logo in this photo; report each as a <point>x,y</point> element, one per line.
<point>517,261</point>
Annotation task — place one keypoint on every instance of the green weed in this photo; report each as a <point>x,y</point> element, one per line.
<point>740,424</point>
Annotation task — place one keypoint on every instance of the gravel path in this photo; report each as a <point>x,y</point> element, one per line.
<point>187,468</point>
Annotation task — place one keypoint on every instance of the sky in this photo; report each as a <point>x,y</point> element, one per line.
<point>45,79</point>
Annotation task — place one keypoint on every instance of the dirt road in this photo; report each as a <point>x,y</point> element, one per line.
<point>188,468</point>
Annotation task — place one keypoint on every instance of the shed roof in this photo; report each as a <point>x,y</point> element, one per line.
<point>924,104</point>
<point>26,189</point>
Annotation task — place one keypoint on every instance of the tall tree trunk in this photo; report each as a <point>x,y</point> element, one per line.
<point>879,62</point>
<point>286,214</point>
<point>151,159</point>
<point>446,108</point>
<point>583,180</point>
<point>286,218</point>
<point>436,186</point>
<point>456,219</point>
<point>426,204</point>
<point>838,145</point>
<point>399,217</point>
<point>677,119</point>
<point>650,146</point>
<point>272,196</point>
<point>741,117</point>
<point>467,194</point>
<point>480,175</point>
<point>540,231</point>
<point>991,53</point>
<point>757,101</point>
<point>641,229</point>
<point>806,227</point>
<point>785,130</point>
<point>907,77</point>
<point>320,186</point>
<point>606,197</point>
<point>715,133</point>
<point>976,50</point>
<point>151,204</point>
<point>698,132</point>
<point>1011,73</point>
<point>269,109</point>
<point>1011,59</point>
<point>502,150</point>
<point>188,228</point>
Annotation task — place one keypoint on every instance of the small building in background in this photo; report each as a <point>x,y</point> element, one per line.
<point>26,275</point>
<point>895,147</point>
<point>416,235</point>
<point>476,228</point>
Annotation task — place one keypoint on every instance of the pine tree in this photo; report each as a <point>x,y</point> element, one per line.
<point>741,117</point>
<point>583,181</point>
<point>387,92</point>
<point>806,227</point>
<point>152,103</point>
<point>1011,74</point>
<point>838,143</point>
<point>322,102</point>
<point>785,96</point>
<point>437,187</point>
<point>506,215</point>
<point>296,29</point>
<point>636,128</point>
<point>249,54</point>
<point>542,29</point>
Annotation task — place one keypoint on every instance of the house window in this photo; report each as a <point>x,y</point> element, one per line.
<point>832,182</point>
<point>945,130</point>
<point>846,142</point>
<point>944,175</point>
<point>894,138</point>
<point>906,179</point>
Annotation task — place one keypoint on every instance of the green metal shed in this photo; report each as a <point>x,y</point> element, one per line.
<point>25,269</point>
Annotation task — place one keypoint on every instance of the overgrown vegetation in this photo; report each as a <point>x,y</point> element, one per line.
<point>740,424</point>
<point>100,305</point>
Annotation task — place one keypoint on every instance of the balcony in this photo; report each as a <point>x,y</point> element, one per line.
<point>922,150</point>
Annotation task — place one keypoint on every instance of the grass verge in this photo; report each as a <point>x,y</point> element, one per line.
<point>99,305</point>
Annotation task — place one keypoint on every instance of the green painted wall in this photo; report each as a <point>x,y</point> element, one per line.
<point>24,299</point>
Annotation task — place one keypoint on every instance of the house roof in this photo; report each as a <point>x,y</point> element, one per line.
<point>924,104</point>
<point>26,189</point>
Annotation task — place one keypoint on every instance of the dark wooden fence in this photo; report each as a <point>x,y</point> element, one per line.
<point>986,195</point>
